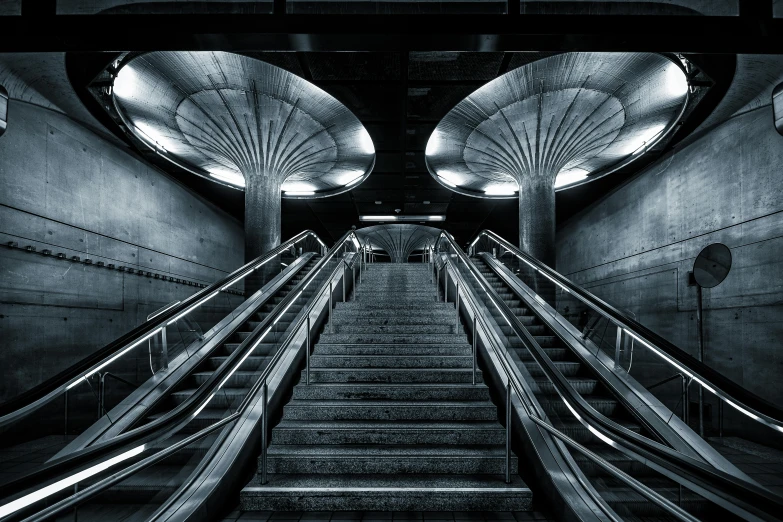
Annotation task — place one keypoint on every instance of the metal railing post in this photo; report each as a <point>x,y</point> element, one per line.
<point>331,324</point>
<point>688,402</point>
<point>264,391</point>
<point>475,341</point>
<point>307,357</point>
<point>508,430</point>
<point>353,279</point>
<point>445,284</point>
<point>437,282</point>
<point>617,346</point>
<point>165,354</point>
<point>345,267</point>
<point>684,397</point>
<point>101,392</point>
<point>456,307</point>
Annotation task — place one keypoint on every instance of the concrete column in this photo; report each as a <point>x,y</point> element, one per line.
<point>537,219</point>
<point>262,226</point>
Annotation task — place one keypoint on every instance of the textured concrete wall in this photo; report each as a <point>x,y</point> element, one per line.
<point>65,189</point>
<point>636,246</point>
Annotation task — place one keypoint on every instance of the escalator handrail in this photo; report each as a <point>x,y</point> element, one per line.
<point>39,395</point>
<point>120,475</point>
<point>173,420</point>
<point>733,394</point>
<point>747,496</point>
<point>535,416</point>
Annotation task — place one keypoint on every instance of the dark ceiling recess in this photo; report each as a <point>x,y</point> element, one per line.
<point>400,97</point>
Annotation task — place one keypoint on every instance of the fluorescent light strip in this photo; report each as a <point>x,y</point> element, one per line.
<point>106,363</point>
<point>402,218</point>
<point>196,305</point>
<point>287,307</point>
<point>42,493</point>
<point>203,406</point>
<point>300,193</point>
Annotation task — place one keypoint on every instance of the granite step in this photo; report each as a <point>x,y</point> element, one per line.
<point>388,459</point>
<point>392,375</point>
<point>422,306</point>
<point>392,338</point>
<point>429,431</point>
<point>392,349</point>
<point>402,317</point>
<point>403,329</point>
<point>392,392</point>
<point>403,493</point>
<point>391,361</point>
<point>390,411</point>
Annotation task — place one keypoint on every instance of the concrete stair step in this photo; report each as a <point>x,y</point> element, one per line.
<point>392,375</point>
<point>400,392</point>
<point>391,361</point>
<point>392,349</point>
<point>403,316</point>
<point>567,368</point>
<point>390,410</point>
<point>385,493</point>
<point>392,307</point>
<point>299,432</point>
<point>388,459</point>
<point>393,338</point>
<point>405,329</point>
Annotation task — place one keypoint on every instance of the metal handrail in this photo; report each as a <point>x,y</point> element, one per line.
<point>749,500</point>
<point>38,396</point>
<point>260,383</point>
<point>725,389</point>
<point>170,423</point>
<point>513,382</point>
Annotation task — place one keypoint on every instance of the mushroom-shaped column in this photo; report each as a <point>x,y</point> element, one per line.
<point>246,124</point>
<point>399,241</point>
<point>557,122</point>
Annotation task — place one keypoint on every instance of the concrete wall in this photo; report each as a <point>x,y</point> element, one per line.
<point>636,246</point>
<point>66,189</point>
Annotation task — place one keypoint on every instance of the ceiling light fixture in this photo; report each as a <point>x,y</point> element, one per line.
<point>402,218</point>
<point>299,192</point>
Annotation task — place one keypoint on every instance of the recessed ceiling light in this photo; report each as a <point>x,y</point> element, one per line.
<point>402,218</point>
<point>426,202</point>
<point>378,202</point>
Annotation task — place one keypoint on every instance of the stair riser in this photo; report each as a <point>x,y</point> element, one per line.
<point>314,392</point>
<point>389,412</point>
<point>391,349</point>
<point>358,361</point>
<point>385,466</point>
<point>392,376</point>
<point>393,339</point>
<point>434,328</point>
<point>385,501</point>
<point>390,436</point>
<point>407,319</point>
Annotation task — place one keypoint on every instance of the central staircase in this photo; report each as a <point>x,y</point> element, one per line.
<point>390,420</point>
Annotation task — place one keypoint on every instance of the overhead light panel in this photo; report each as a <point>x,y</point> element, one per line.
<point>402,218</point>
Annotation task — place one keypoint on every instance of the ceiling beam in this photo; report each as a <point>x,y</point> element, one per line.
<point>420,32</point>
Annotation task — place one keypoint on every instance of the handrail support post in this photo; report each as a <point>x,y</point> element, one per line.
<point>508,430</point>
<point>475,341</point>
<point>307,353</point>
<point>264,419</point>
<point>331,323</point>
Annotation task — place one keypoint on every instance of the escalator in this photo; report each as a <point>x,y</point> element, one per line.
<point>624,501</point>
<point>166,431</point>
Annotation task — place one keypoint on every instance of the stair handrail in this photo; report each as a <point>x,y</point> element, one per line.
<point>736,396</point>
<point>43,393</point>
<point>125,444</point>
<point>260,384</point>
<point>747,498</point>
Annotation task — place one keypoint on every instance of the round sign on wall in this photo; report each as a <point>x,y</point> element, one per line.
<point>712,265</point>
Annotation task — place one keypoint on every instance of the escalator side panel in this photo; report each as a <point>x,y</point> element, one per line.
<point>637,399</point>
<point>139,403</point>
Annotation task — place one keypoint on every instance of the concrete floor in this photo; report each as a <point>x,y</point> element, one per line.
<point>380,516</point>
